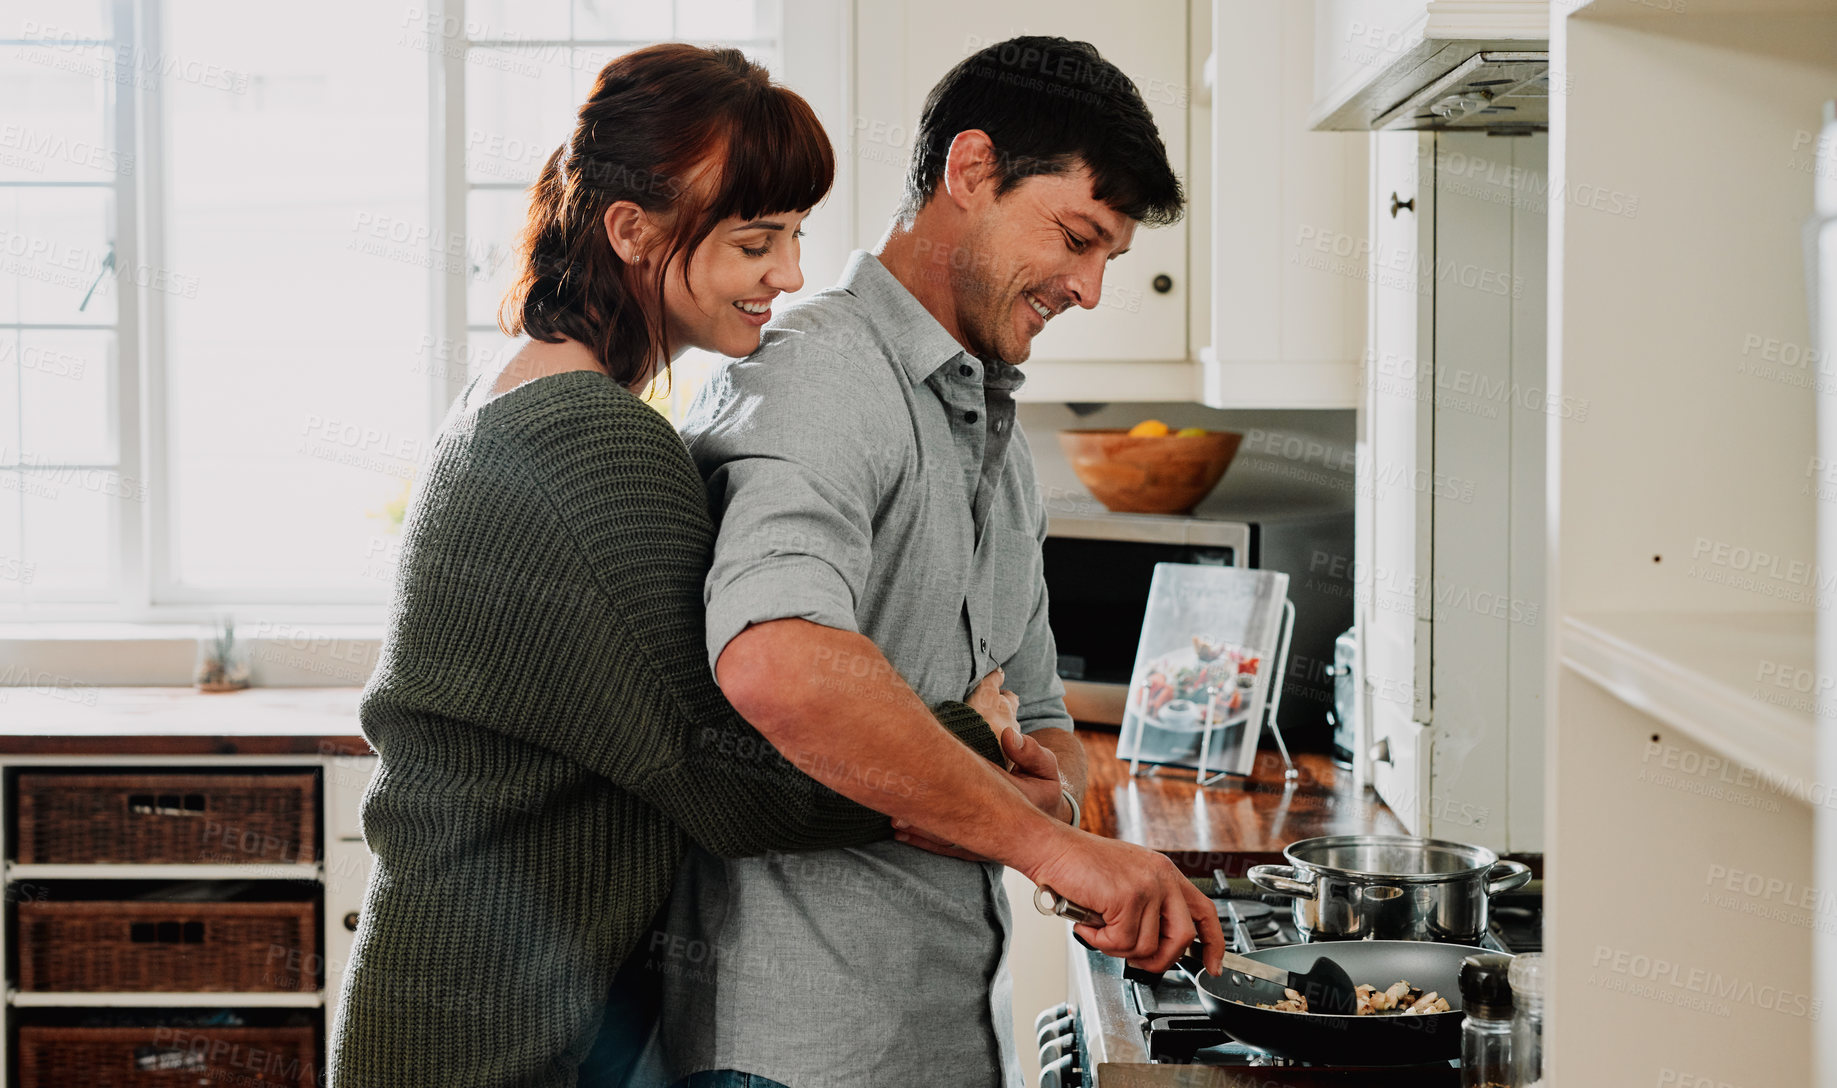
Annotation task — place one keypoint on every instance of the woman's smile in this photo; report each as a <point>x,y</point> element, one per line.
<point>755,311</point>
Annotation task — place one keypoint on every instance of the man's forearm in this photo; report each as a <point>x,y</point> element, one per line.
<point>833,705</point>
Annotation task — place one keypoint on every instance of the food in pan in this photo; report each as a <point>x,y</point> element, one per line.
<point>1401,999</point>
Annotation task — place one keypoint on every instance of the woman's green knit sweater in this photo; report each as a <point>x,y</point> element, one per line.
<point>550,739</point>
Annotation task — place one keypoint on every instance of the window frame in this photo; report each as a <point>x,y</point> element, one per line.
<point>127,563</point>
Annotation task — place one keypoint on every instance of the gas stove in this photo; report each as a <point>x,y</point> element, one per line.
<point>1115,1031</point>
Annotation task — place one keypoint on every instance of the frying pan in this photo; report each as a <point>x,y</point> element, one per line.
<point>1344,1040</point>
<point>1323,1037</point>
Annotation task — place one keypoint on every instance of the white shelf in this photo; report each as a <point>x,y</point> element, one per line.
<point>1277,383</point>
<point>22,999</point>
<point>104,871</point>
<point>1709,675</point>
<point>1056,380</point>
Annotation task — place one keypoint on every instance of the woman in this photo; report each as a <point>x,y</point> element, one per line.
<point>549,730</point>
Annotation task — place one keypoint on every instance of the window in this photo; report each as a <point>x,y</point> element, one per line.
<point>293,185</point>
<point>247,260</point>
<point>67,265</point>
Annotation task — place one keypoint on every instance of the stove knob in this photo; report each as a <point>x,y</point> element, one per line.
<point>1060,1074</point>
<point>1052,1050</point>
<point>1053,1030</point>
<point>1062,1009</point>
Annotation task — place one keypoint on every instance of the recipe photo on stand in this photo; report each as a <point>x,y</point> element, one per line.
<point>1208,671</point>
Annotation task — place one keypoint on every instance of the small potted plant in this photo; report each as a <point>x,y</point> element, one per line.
<point>223,662</point>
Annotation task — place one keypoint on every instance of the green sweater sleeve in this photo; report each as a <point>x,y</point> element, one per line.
<point>567,547</point>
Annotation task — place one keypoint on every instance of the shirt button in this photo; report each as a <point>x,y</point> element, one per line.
<point>969,417</point>
<point>985,645</point>
<point>966,370</point>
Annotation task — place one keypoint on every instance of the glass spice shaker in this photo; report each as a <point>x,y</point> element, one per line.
<point>1486,1035</point>
<point>1527,978</point>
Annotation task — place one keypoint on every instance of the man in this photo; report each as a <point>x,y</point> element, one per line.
<point>879,549</point>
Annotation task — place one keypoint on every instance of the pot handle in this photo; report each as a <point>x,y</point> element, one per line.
<point>1282,880</point>
<point>1516,875</point>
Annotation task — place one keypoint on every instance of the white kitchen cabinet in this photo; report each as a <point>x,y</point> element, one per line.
<point>1452,602</point>
<point>1690,511</point>
<point>1133,345</point>
<point>1289,244</point>
<point>347,866</point>
<point>1822,246</point>
<point>346,778</point>
<point>1489,405</point>
<point>1397,516</point>
<point>347,872</point>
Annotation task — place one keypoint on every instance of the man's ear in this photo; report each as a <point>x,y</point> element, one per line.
<point>969,168</point>
<point>629,229</point>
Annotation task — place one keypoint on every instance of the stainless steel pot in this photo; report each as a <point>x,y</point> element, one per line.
<point>1390,887</point>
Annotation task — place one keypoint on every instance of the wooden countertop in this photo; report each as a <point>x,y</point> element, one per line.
<point>72,721</point>
<point>1230,826</point>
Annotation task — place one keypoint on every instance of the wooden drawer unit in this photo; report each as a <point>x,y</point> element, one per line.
<point>158,1057</point>
<point>216,819</point>
<point>168,947</point>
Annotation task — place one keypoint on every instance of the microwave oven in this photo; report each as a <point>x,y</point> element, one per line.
<point>1098,569</point>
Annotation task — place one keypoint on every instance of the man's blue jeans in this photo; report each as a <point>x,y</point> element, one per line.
<point>725,1078</point>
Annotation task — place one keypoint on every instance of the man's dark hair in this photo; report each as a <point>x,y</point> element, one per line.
<point>1049,105</point>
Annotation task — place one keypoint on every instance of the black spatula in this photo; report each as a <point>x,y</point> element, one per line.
<point>1325,985</point>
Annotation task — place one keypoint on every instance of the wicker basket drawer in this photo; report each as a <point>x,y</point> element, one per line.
<point>101,947</point>
<point>157,1057</point>
<point>219,819</point>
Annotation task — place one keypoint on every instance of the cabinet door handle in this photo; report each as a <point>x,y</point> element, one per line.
<point>1162,284</point>
<point>1401,205</point>
<point>350,921</point>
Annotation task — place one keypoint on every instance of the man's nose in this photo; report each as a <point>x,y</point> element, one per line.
<point>1086,286</point>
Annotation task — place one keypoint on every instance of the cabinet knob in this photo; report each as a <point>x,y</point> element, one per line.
<point>350,921</point>
<point>1162,284</point>
<point>1401,205</point>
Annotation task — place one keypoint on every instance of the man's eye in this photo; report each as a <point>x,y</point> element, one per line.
<point>1075,243</point>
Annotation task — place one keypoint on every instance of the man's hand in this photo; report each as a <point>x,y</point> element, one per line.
<point>1151,912</point>
<point>1035,773</point>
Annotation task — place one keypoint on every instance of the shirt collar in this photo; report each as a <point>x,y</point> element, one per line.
<point>920,343</point>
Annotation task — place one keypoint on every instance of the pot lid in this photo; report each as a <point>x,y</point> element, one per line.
<point>1391,857</point>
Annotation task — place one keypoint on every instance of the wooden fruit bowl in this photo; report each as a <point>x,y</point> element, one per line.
<point>1161,475</point>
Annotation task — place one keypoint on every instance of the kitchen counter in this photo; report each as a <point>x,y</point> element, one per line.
<point>1230,826</point>
<point>96,721</point>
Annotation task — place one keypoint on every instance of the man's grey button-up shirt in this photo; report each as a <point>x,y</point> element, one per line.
<point>865,474</point>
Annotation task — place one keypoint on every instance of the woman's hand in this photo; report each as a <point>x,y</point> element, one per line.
<point>997,706</point>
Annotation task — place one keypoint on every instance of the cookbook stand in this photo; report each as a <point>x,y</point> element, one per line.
<point>1209,672</point>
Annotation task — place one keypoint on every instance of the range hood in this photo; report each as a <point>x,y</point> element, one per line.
<point>1471,66</point>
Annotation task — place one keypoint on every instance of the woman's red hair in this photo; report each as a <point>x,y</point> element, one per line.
<point>656,117</point>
